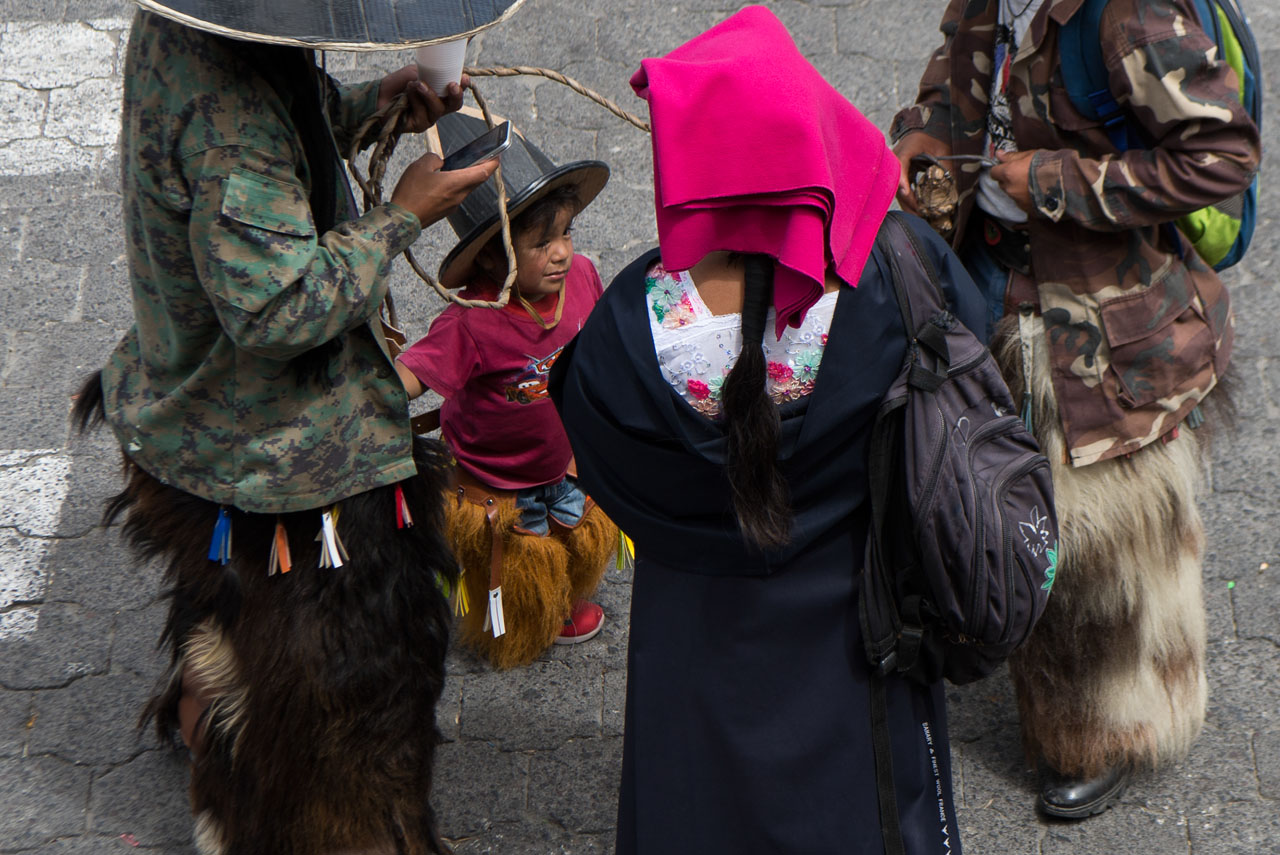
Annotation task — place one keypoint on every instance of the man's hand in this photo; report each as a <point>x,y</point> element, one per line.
<point>1013,174</point>
<point>911,146</point>
<point>425,106</point>
<point>430,193</point>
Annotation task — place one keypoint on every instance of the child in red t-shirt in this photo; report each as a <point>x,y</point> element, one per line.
<point>533,547</point>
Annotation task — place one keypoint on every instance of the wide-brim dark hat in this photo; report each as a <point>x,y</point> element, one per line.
<point>338,24</point>
<point>528,174</point>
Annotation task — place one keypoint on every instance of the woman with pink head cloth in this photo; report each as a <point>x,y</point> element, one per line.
<point>719,401</point>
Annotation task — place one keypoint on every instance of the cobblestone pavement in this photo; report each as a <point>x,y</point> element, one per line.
<point>532,757</point>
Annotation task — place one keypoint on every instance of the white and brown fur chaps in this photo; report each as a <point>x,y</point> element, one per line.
<point>1114,671</point>
<point>320,683</point>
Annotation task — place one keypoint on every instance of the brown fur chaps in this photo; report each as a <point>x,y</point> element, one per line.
<point>541,576</point>
<point>321,683</point>
<point>1114,671</point>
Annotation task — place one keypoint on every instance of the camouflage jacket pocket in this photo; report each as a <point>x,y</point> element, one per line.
<point>265,203</point>
<point>266,239</point>
<point>1158,338</point>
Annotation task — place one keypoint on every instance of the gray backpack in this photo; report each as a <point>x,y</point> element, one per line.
<point>962,547</point>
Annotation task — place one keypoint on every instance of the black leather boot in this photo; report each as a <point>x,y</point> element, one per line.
<point>1074,798</point>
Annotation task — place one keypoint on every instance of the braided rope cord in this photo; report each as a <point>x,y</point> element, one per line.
<point>387,121</point>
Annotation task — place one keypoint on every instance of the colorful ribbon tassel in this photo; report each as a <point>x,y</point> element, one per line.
<point>403,518</point>
<point>332,552</point>
<point>280,560</point>
<point>220,546</point>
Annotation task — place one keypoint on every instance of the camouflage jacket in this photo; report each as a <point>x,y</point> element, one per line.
<point>230,281</point>
<point>1139,330</point>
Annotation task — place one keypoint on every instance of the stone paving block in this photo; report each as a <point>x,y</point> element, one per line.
<point>97,568</point>
<point>615,701</point>
<point>133,646</point>
<point>36,292</point>
<point>59,356</point>
<point>1266,755</point>
<point>47,55</point>
<point>997,818</point>
<point>1244,694</point>
<point>92,844</point>
<point>33,417</point>
<point>15,716</point>
<point>557,34</point>
<point>650,30</point>
<point>541,706</point>
<point>69,642</point>
<point>608,76</point>
<point>542,839</point>
<point>26,112</point>
<point>1240,828</point>
<point>1117,831</point>
<point>85,10</point>
<point>812,29</point>
<point>1218,771</point>
<point>577,786</point>
<point>449,709</point>
<point>87,114</point>
<point>95,477</point>
<point>609,648</point>
<point>1243,533</point>
<point>862,28</point>
<point>146,798</point>
<point>31,10</point>
<point>44,798</point>
<point>476,785</point>
<point>629,154</point>
<point>83,723</point>
<point>1246,468</point>
<point>106,296</point>
<point>983,709</point>
<point>95,220</point>
<point>1256,604</point>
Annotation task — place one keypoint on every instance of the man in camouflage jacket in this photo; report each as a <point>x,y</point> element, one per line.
<point>255,391</point>
<point>1121,335</point>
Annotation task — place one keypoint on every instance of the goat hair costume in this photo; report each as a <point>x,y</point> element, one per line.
<point>1114,671</point>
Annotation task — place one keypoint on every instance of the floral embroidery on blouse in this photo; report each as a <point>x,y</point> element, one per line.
<point>696,349</point>
<point>668,299</point>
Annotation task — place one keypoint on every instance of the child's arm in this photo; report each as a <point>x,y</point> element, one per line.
<point>412,384</point>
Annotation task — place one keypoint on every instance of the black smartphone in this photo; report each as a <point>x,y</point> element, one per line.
<point>483,147</point>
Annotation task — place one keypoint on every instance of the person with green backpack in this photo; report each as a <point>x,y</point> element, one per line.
<point>1111,329</point>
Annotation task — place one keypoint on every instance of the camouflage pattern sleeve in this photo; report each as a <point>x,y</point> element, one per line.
<point>1204,148</point>
<point>277,287</point>
<point>349,105</point>
<point>931,111</point>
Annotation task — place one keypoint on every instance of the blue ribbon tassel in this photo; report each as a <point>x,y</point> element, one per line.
<point>220,546</point>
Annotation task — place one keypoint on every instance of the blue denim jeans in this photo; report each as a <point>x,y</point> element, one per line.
<point>991,278</point>
<point>562,500</point>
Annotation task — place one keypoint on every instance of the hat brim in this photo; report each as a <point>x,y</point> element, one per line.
<point>363,33</point>
<point>590,176</point>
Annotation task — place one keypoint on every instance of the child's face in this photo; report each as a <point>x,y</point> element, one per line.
<point>543,257</point>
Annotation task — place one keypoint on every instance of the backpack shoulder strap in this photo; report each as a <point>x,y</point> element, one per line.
<point>1084,72</point>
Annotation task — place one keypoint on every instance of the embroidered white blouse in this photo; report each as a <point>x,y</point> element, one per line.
<point>696,349</point>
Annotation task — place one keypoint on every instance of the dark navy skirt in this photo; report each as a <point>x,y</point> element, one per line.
<point>748,728</point>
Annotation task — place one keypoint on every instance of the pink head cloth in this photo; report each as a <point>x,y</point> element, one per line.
<point>753,151</point>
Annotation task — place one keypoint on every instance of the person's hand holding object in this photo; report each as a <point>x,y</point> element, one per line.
<point>1013,174</point>
<point>425,105</point>
<point>909,147</point>
<point>431,193</point>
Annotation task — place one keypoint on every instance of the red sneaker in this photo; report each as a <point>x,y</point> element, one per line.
<point>583,624</point>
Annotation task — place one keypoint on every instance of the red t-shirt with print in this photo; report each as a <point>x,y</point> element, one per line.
<point>491,367</point>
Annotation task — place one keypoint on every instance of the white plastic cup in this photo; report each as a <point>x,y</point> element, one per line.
<point>441,64</point>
